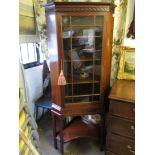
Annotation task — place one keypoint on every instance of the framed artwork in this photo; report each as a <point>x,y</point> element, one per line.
<point>127,63</point>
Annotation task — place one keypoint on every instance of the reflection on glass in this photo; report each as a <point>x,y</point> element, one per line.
<point>83,32</point>
<point>67,32</point>
<point>65,20</point>
<point>99,20</point>
<point>82,20</point>
<point>84,72</point>
<point>82,89</point>
<point>99,31</point>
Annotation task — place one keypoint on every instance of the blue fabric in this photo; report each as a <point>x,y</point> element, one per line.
<point>44,103</point>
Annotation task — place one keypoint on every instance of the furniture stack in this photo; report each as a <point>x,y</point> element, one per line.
<point>28,136</point>
<point>121,119</point>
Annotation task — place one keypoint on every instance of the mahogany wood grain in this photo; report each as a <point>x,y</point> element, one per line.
<point>120,145</point>
<point>121,119</point>
<point>110,153</point>
<point>122,109</point>
<point>122,127</point>
<point>54,13</point>
<point>123,90</point>
<point>72,131</point>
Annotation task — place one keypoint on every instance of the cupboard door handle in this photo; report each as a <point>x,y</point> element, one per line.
<point>132,127</point>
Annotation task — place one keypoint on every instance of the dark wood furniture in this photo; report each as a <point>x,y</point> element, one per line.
<point>121,119</point>
<point>79,43</point>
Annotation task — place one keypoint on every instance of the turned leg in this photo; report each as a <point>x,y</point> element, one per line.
<point>54,130</point>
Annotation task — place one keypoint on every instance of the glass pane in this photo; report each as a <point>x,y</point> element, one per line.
<point>68,100</point>
<point>82,99</point>
<point>83,32</point>
<point>98,55</point>
<point>98,39</point>
<point>82,89</point>
<point>68,90</point>
<point>66,32</point>
<point>82,20</point>
<point>97,72</point>
<point>99,31</point>
<point>96,98</point>
<point>67,71</point>
<point>99,20</point>
<point>83,48</point>
<point>96,88</point>
<point>65,20</point>
<point>66,51</point>
<point>67,43</point>
<point>83,71</point>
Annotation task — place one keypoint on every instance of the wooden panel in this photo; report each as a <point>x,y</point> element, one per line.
<point>123,90</point>
<point>122,127</point>
<point>109,153</point>
<point>79,128</point>
<point>120,145</point>
<point>122,109</point>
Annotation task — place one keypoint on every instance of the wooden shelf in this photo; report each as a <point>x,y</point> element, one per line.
<point>79,37</point>
<point>82,95</point>
<point>79,128</point>
<point>82,81</point>
<point>83,60</point>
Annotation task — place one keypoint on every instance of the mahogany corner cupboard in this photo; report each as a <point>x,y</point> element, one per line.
<point>79,44</point>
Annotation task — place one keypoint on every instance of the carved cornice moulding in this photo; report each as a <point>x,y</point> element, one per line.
<point>101,7</point>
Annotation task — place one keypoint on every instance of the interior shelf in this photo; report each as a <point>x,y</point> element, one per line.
<point>79,128</point>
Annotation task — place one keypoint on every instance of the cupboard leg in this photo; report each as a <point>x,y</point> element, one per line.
<point>102,132</point>
<point>61,136</point>
<point>54,130</point>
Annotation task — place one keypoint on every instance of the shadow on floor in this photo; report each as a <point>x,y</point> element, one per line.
<point>76,147</point>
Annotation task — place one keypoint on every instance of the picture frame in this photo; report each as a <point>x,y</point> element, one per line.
<point>127,63</point>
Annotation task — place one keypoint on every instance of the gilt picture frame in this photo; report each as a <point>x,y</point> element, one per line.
<point>127,63</point>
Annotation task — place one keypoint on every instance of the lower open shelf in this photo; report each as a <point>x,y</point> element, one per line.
<point>80,128</point>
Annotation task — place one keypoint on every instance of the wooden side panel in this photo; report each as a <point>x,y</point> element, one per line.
<point>53,55</point>
<point>107,49</point>
<point>120,145</point>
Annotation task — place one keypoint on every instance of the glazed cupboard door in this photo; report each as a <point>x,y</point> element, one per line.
<point>82,39</point>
